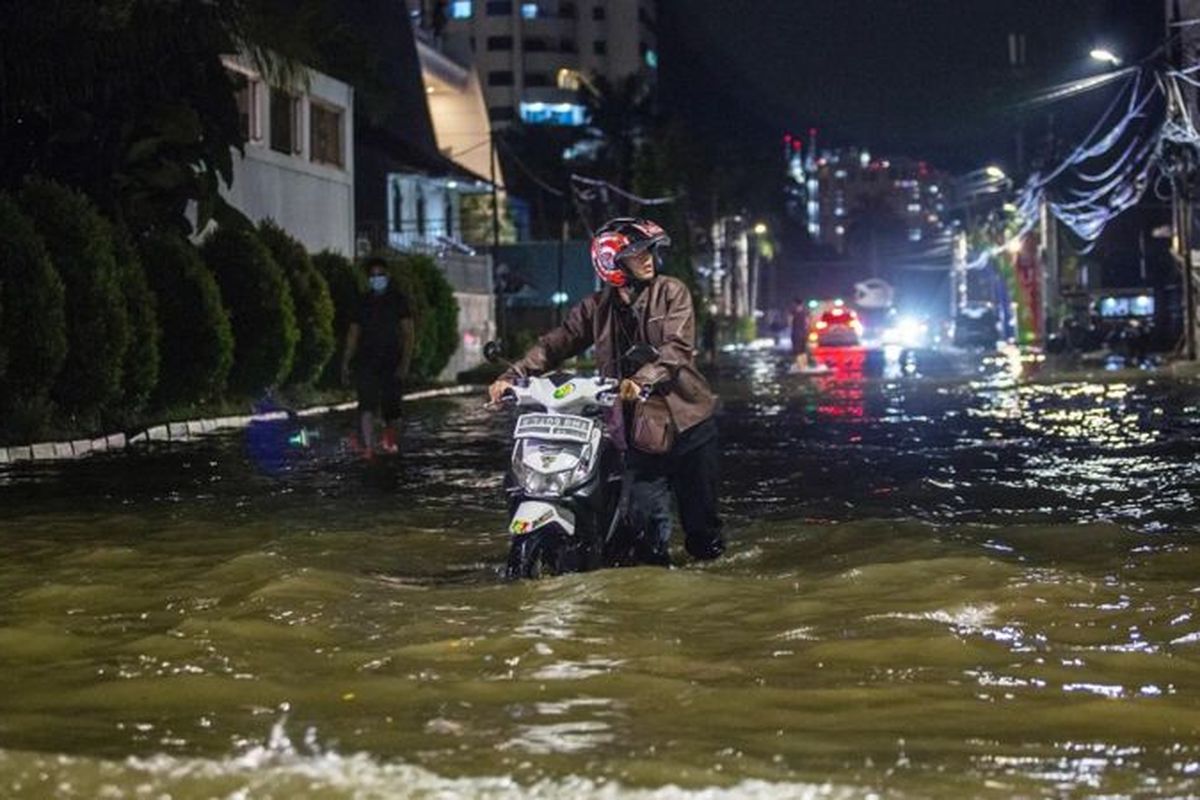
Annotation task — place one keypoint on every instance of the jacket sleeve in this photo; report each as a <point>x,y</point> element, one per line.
<point>567,340</point>
<point>679,338</point>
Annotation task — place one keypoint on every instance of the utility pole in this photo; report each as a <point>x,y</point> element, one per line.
<point>1051,288</point>
<point>502,301</point>
<point>1181,199</point>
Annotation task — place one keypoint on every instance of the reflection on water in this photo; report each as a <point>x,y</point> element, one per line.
<point>943,581</point>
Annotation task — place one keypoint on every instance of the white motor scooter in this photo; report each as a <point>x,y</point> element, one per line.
<point>564,483</point>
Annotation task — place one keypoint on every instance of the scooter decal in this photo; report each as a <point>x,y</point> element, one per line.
<point>563,391</point>
<point>522,526</point>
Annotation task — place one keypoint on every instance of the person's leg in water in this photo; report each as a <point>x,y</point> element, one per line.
<point>390,403</point>
<point>649,512</point>
<point>695,482</point>
<point>369,400</point>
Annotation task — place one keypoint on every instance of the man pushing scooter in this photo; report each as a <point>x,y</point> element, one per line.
<point>665,420</point>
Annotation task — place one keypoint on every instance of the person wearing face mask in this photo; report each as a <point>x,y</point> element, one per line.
<point>379,345</point>
<point>665,422</point>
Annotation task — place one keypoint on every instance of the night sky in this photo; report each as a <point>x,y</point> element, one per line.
<point>924,78</point>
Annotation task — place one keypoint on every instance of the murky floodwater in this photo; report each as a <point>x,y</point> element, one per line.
<point>949,587</point>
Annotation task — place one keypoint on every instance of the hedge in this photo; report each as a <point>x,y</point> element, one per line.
<point>33,325</point>
<point>314,306</point>
<point>80,244</point>
<point>139,372</point>
<point>197,339</point>
<point>346,286</point>
<point>435,311</point>
<point>259,301</point>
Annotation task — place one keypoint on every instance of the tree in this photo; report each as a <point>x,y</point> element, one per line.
<point>139,370</point>
<point>33,331</point>
<point>314,307</point>
<point>255,292</point>
<point>129,101</point>
<point>80,244</point>
<point>197,339</point>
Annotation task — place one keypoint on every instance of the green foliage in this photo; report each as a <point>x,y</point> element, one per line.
<point>314,306</point>
<point>435,313</point>
<point>126,100</point>
<point>80,244</point>
<point>32,328</point>
<point>197,340</point>
<point>346,286</point>
<point>259,301</point>
<point>140,369</point>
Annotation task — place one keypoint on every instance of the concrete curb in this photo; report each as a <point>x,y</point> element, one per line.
<point>188,430</point>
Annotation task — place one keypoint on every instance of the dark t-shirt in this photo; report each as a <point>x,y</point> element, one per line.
<point>379,317</point>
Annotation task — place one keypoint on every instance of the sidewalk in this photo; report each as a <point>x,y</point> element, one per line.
<point>189,430</point>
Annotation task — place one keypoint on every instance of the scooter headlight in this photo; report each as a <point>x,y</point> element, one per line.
<point>549,470</point>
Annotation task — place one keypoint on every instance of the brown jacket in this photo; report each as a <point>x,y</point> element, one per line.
<point>665,319</point>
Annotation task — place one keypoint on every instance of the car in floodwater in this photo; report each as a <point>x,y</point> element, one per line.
<point>833,324</point>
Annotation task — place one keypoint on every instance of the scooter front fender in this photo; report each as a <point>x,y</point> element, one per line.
<point>532,515</point>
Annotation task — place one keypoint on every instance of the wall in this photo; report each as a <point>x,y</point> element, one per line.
<point>312,201</point>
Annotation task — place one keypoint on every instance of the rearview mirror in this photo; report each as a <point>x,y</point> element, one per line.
<point>641,354</point>
<point>493,351</point>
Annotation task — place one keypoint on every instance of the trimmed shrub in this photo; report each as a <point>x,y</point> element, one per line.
<point>314,306</point>
<point>346,286</point>
<point>435,313</point>
<point>259,302</point>
<point>139,373</point>
<point>196,351</point>
<point>80,244</point>
<point>33,332</point>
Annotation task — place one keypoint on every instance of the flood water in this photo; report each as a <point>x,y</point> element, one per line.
<point>946,581</point>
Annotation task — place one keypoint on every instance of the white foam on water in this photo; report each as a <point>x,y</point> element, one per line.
<point>279,770</point>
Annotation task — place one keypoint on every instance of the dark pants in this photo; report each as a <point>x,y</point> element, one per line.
<point>379,390</point>
<point>690,472</point>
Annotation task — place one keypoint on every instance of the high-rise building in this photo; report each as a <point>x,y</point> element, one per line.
<point>846,187</point>
<point>533,56</point>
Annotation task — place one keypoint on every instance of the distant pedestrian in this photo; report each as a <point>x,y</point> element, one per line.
<point>379,348</point>
<point>800,332</point>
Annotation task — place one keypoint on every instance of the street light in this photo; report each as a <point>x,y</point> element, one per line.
<point>571,79</point>
<point>995,173</point>
<point>1105,55</point>
<point>760,229</point>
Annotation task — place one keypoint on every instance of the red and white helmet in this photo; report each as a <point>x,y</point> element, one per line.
<point>622,237</point>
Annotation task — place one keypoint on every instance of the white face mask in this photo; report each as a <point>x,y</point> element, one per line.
<point>378,283</point>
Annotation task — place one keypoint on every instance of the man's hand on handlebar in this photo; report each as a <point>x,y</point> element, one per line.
<point>629,390</point>
<point>497,389</point>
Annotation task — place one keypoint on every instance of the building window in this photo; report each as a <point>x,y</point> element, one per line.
<point>600,47</point>
<point>598,13</point>
<point>567,46</point>
<point>535,45</point>
<point>285,122</point>
<point>566,10</point>
<point>535,79</point>
<point>397,207</point>
<point>247,103</point>
<point>530,10</point>
<point>501,114</point>
<point>500,78</point>
<point>460,9</point>
<point>499,8</point>
<point>325,134</point>
<point>500,43</point>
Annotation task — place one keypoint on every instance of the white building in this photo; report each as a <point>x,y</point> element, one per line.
<point>527,52</point>
<point>298,166</point>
